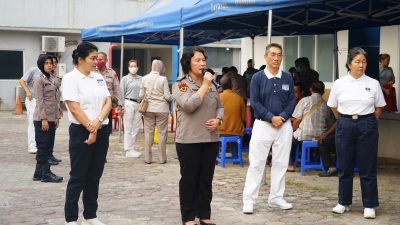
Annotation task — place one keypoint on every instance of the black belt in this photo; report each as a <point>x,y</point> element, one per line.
<point>261,119</point>
<point>131,99</point>
<point>356,117</point>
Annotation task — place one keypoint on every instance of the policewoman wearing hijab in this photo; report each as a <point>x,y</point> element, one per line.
<point>45,119</point>
<point>88,100</point>
<point>200,112</point>
<point>357,101</point>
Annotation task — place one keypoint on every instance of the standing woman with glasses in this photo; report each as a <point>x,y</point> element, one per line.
<point>89,103</point>
<point>357,101</point>
<point>197,140</point>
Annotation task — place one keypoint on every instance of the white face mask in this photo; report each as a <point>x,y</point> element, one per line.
<point>133,70</point>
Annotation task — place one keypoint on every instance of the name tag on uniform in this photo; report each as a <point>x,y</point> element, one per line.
<point>285,87</point>
<point>100,82</point>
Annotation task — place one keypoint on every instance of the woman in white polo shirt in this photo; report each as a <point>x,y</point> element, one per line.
<point>88,100</point>
<point>357,101</point>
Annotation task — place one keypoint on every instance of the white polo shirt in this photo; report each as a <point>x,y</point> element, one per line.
<point>89,91</point>
<point>356,96</point>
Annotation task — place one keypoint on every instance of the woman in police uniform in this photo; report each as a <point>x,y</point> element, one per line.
<point>197,140</point>
<point>357,101</point>
<point>45,119</point>
<point>89,102</point>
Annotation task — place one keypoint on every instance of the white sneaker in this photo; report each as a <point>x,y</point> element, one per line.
<point>32,150</point>
<point>281,203</point>
<point>369,213</point>
<point>93,221</point>
<point>133,154</point>
<point>248,208</point>
<point>340,209</point>
<point>71,223</point>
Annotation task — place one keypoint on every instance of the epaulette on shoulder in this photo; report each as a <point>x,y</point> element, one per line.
<point>181,78</point>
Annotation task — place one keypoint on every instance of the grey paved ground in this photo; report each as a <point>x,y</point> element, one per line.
<point>136,193</point>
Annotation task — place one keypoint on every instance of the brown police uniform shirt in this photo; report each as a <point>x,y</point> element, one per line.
<point>193,113</point>
<point>47,102</point>
<point>111,78</point>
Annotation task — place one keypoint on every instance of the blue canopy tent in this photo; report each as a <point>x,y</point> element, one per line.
<point>197,22</point>
<point>249,18</point>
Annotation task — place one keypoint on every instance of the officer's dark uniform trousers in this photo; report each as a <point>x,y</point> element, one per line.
<point>87,164</point>
<point>197,162</point>
<point>357,142</point>
<point>44,141</point>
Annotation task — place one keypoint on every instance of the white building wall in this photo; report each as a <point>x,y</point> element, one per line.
<point>259,51</point>
<point>68,14</point>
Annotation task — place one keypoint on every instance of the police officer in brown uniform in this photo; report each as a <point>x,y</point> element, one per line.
<point>112,82</point>
<point>45,119</point>
<point>197,140</point>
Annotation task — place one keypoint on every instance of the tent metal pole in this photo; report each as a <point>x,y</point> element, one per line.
<point>121,69</point>
<point>181,39</point>
<point>335,56</point>
<point>269,25</point>
<point>252,46</point>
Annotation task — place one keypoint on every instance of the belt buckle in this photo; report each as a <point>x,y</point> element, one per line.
<point>354,117</point>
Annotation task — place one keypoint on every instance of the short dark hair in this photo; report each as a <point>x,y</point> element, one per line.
<point>318,87</point>
<point>272,45</point>
<point>187,55</point>
<point>353,53</point>
<point>226,80</point>
<point>82,51</point>
<point>225,69</point>
<point>383,56</point>
<point>233,69</point>
<point>303,60</point>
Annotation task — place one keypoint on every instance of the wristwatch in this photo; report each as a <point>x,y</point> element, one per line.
<point>100,119</point>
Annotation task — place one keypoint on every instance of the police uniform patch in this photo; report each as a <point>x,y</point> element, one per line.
<point>183,87</point>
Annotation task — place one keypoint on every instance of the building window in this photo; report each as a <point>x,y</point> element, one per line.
<point>11,64</point>
<point>317,48</point>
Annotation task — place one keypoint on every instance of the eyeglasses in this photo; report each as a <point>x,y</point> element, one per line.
<point>275,55</point>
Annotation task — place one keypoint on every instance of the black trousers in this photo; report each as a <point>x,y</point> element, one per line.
<point>197,162</point>
<point>87,165</point>
<point>357,142</point>
<point>109,126</point>
<point>326,148</point>
<point>44,141</point>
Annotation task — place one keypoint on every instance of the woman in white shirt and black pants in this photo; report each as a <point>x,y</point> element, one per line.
<point>89,103</point>
<point>357,101</point>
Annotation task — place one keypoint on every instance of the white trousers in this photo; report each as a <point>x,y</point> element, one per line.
<point>30,109</point>
<point>132,119</point>
<point>263,137</point>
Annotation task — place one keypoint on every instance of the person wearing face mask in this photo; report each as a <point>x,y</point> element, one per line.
<point>305,74</point>
<point>155,86</point>
<point>45,119</point>
<point>112,82</point>
<point>130,87</point>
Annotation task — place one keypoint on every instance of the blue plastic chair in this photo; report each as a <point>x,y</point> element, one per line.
<point>236,150</point>
<point>306,162</point>
<point>247,131</point>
